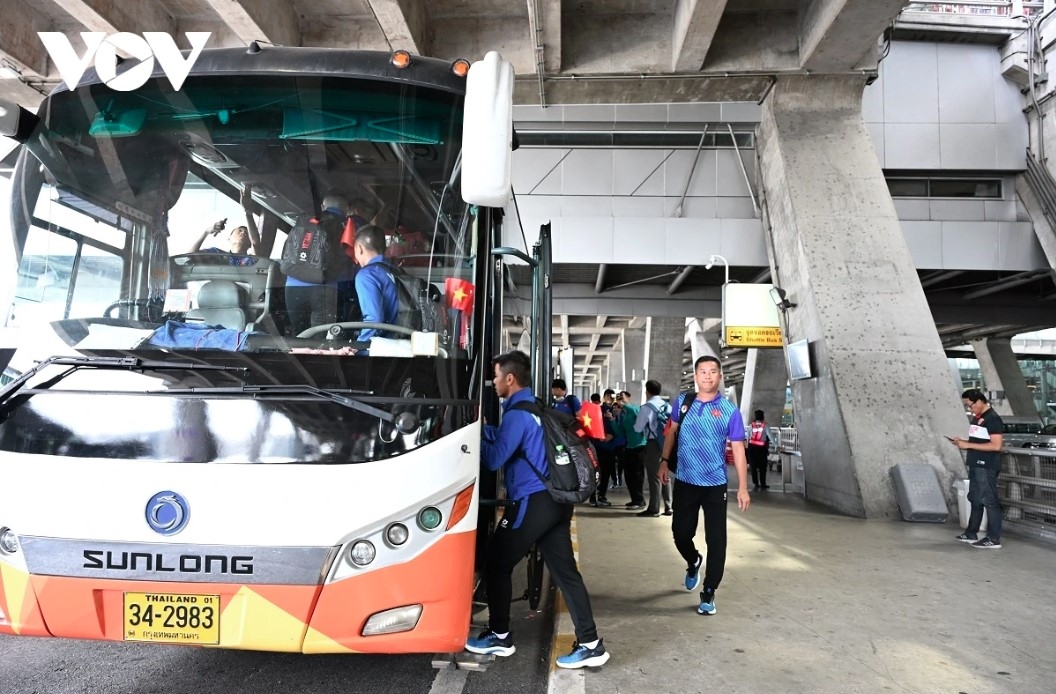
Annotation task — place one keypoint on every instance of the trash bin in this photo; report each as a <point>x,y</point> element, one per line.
<point>964,508</point>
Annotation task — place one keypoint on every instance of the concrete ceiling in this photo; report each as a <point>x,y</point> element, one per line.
<point>576,51</point>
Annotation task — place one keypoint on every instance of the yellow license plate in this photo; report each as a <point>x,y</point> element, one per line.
<point>172,618</point>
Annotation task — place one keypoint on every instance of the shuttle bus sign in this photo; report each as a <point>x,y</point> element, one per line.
<point>753,337</point>
<point>749,317</point>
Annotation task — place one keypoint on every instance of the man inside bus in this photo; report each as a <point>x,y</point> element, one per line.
<point>241,240</point>
<point>518,446</point>
<point>309,303</point>
<point>375,286</point>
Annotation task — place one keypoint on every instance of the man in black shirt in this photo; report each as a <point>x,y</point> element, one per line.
<point>985,433</point>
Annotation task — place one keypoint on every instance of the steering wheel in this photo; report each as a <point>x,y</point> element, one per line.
<point>124,303</point>
<point>317,330</point>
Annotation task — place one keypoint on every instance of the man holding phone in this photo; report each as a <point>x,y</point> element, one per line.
<point>241,239</point>
<point>985,436</point>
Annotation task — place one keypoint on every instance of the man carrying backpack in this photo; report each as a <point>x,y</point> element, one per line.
<point>316,268</point>
<point>563,400</point>
<point>517,446</point>
<point>702,425</point>
<point>651,420</point>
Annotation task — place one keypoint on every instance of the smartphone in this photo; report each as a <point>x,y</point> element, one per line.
<point>949,438</point>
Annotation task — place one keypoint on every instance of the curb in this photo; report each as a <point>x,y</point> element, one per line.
<point>560,680</point>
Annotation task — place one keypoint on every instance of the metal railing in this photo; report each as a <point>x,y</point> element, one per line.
<point>1027,488</point>
<point>784,440</point>
<point>994,8</point>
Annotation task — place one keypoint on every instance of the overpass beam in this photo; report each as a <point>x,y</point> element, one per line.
<point>839,252</point>
<point>272,21</point>
<point>404,23</point>
<point>835,35</point>
<point>111,17</point>
<point>1001,371</point>
<point>694,30</point>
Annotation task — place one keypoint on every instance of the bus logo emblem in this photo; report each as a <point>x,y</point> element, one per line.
<point>167,513</point>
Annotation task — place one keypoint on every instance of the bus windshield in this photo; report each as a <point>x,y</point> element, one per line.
<point>160,218</point>
<point>143,311</point>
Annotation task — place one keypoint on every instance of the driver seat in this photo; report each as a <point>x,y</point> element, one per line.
<point>221,302</point>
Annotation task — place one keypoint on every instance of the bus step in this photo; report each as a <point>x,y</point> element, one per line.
<point>462,661</point>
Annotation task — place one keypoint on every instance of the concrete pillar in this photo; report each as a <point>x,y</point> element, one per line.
<point>1001,371</point>
<point>634,342</point>
<point>616,376</point>
<point>765,380</point>
<point>665,342</point>
<point>882,393</point>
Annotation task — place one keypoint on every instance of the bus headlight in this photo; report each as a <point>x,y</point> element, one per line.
<point>362,553</point>
<point>397,534</point>
<point>429,518</point>
<point>8,541</point>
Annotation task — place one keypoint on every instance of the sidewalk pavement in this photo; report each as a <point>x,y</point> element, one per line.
<point>817,602</point>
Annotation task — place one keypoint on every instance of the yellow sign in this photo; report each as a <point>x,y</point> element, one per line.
<point>172,618</point>
<point>753,337</point>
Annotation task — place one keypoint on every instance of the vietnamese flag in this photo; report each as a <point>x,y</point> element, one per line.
<point>590,416</point>
<point>459,294</point>
<point>348,238</point>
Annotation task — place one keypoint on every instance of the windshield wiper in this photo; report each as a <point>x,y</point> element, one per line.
<point>343,400</point>
<point>405,422</point>
<point>77,363</point>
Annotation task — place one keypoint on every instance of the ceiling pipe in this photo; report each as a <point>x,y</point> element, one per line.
<point>599,283</point>
<point>539,49</point>
<point>939,277</point>
<point>682,276</point>
<point>1001,285</point>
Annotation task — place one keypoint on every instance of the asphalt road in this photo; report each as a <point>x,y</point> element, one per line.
<point>54,666</point>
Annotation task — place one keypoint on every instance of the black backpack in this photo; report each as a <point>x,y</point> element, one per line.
<point>687,403</point>
<point>420,305</point>
<point>570,456</point>
<point>312,252</point>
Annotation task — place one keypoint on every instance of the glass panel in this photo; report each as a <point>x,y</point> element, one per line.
<point>149,173</point>
<point>965,188</point>
<point>908,187</point>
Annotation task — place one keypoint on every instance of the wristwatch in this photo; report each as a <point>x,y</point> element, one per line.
<point>663,460</point>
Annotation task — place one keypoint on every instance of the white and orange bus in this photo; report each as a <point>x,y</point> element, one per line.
<point>176,464</point>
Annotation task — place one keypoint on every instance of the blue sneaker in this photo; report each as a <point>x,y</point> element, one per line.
<point>707,602</point>
<point>488,643</point>
<point>693,574</point>
<point>581,656</point>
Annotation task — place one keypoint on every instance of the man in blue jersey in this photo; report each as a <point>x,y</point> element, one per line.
<point>700,477</point>
<point>375,285</point>
<point>563,400</point>
<point>518,447</point>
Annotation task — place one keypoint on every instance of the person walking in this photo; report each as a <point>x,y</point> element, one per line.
<point>985,434</point>
<point>517,446</point>
<point>611,407</point>
<point>702,429</point>
<point>651,420</point>
<point>758,449</point>
<point>633,461</point>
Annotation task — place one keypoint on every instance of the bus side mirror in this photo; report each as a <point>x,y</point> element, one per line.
<point>487,132</point>
<point>15,121</point>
